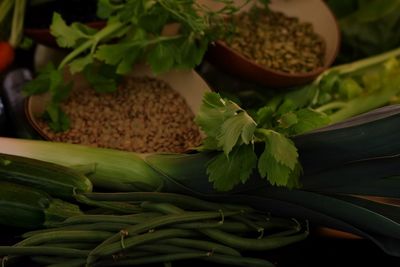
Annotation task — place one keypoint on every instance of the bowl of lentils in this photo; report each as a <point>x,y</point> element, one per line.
<point>147,113</point>
<point>287,43</point>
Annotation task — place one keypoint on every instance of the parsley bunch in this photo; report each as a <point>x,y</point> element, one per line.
<point>234,133</point>
<point>134,32</point>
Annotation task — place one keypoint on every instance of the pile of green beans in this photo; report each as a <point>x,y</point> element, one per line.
<point>165,228</point>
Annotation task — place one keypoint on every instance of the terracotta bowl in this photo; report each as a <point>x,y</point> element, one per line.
<point>187,83</point>
<point>314,11</point>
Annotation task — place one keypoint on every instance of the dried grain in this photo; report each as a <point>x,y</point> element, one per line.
<point>144,115</point>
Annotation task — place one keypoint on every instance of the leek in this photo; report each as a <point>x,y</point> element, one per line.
<point>114,170</point>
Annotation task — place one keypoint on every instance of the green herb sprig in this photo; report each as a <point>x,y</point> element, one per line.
<point>233,132</point>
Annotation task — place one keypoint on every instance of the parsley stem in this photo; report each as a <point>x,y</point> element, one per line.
<point>107,31</point>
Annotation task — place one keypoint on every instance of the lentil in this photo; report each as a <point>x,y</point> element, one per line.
<point>143,115</point>
<point>277,41</point>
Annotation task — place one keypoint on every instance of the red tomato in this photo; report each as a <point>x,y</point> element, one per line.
<point>6,55</point>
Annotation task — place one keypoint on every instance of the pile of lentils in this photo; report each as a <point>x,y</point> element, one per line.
<point>143,115</point>
<point>276,41</point>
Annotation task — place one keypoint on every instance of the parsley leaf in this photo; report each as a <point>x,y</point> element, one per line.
<point>211,114</point>
<point>161,57</point>
<point>225,172</point>
<point>41,83</point>
<point>80,64</point>
<point>308,120</point>
<point>279,161</point>
<point>238,128</point>
<point>225,123</point>
<point>66,36</point>
<point>232,131</point>
<point>277,173</point>
<point>103,78</point>
<point>58,120</point>
<point>281,147</point>
<point>288,119</point>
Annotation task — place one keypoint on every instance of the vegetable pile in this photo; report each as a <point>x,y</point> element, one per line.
<point>326,153</point>
<point>165,34</point>
<point>119,229</point>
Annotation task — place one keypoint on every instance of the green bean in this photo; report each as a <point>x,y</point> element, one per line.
<point>228,226</point>
<point>164,220</point>
<point>165,208</point>
<point>249,223</point>
<point>69,263</point>
<point>238,261</point>
<point>35,251</point>
<point>285,233</point>
<point>165,249</point>
<point>213,224</point>
<point>129,242</point>
<point>152,259</point>
<point>101,226</point>
<point>128,219</point>
<point>45,260</point>
<point>243,243</point>
<point>57,236</point>
<point>80,245</point>
<point>182,201</point>
<point>121,207</point>
<point>201,245</point>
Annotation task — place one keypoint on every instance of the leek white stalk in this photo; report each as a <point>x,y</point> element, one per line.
<point>115,170</point>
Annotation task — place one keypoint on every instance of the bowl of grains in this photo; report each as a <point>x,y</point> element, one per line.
<point>147,113</point>
<point>288,43</point>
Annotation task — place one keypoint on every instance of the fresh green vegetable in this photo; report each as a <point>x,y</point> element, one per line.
<point>156,237</point>
<point>231,130</point>
<point>115,170</point>
<point>58,180</point>
<point>165,34</point>
<point>24,207</point>
<point>368,27</point>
